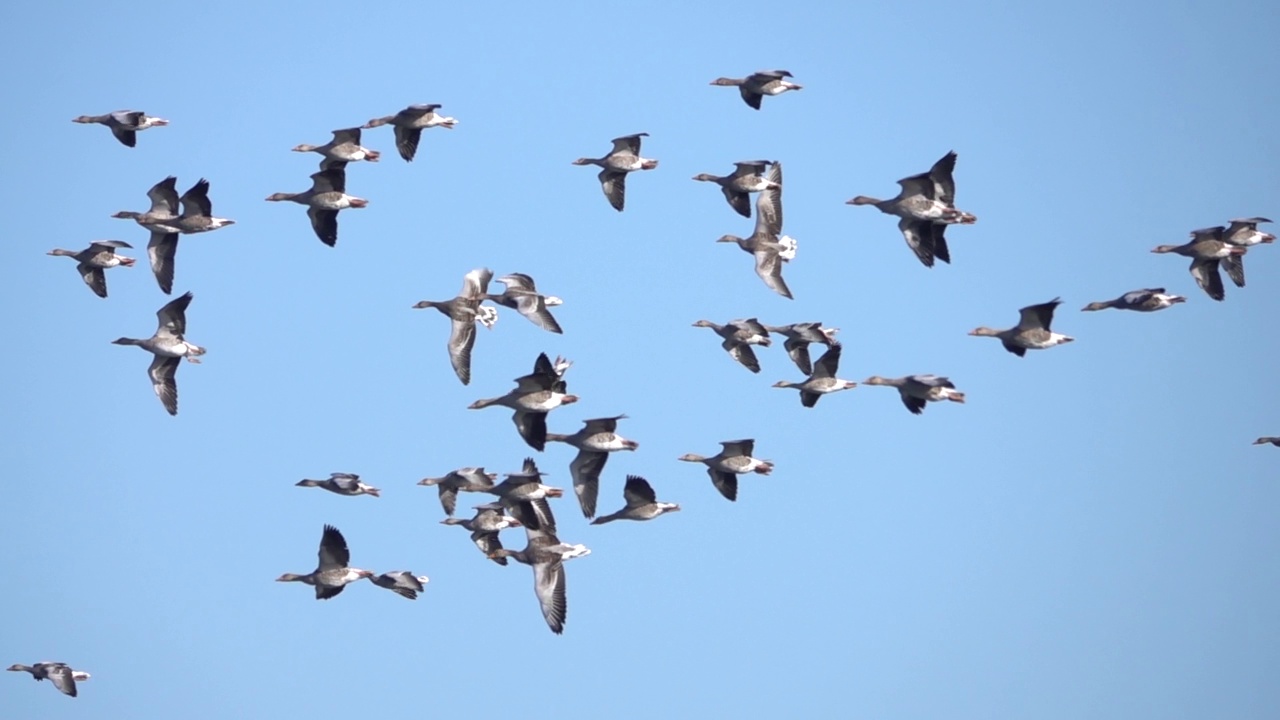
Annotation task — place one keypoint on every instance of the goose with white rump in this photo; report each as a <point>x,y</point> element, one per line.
<point>170,346</point>
<point>464,311</point>
<point>326,196</point>
<point>468,479</point>
<point>767,244</point>
<point>342,484</point>
<point>334,571</point>
<point>64,678</point>
<point>623,159</point>
<point>822,380</point>
<point>1032,331</point>
<point>734,459</point>
<point>124,124</point>
<point>344,147</point>
<point>798,338</point>
<point>485,527</point>
<point>409,124</point>
<point>926,205</point>
<point>641,503</point>
<point>738,337</point>
<point>1146,300</point>
<point>546,555</point>
<point>535,395</point>
<point>401,582</point>
<point>918,390</point>
<point>521,295</point>
<point>94,260</point>
<point>595,440</point>
<point>747,177</point>
<point>758,84</point>
<point>1207,251</point>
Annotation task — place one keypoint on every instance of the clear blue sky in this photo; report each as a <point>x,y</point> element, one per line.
<point>1091,535</point>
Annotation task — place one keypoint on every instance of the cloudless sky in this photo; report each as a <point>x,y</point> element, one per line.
<point>1091,535</point>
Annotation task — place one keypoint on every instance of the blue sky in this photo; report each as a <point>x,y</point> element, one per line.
<point>1091,535</point>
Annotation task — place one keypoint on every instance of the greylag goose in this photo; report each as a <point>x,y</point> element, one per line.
<point>623,159</point>
<point>465,311</point>
<point>342,484</point>
<point>749,177</point>
<point>1032,331</point>
<point>546,554</point>
<point>94,260</point>
<point>409,124</point>
<point>1207,250</point>
<point>1148,300</point>
<point>1260,441</point>
<point>822,380</point>
<point>161,221</point>
<point>756,85</point>
<point>344,148</point>
<point>734,459</point>
<point>524,494</point>
<point>197,211</point>
<point>767,244</point>
<point>739,336</point>
<point>1245,233</point>
<point>125,124</point>
<point>918,390</point>
<point>468,479</point>
<point>327,195</point>
<point>926,205</point>
<point>333,573</point>
<point>169,345</point>
<point>401,582</point>
<point>799,336</point>
<point>489,520</point>
<point>61,674</point>
<point>521,295</point>
<point>594,441</point>
<point>642,503</point>
<point>536,394</point>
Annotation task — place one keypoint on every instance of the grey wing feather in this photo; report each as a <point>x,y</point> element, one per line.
<point>333,549</point>
<point>164,380</point>
<point>586,469</point>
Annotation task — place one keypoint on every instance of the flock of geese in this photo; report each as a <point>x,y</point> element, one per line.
<point>925,206</point>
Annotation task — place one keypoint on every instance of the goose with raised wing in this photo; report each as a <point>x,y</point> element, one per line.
<point>409,124</point>
<point>595,440</point>
<point>334,571</point>
<point>1147,300</point>
<point>93,261</point>
<point>1207,251</point>
<point>738,337</point>
<point>521,295</point>
<point>748,177</point>
<point>342,484</point>
<point>641,503</point>
<point>925,206</point>
<point>401,582</point>
<point>798,338</point>
<point>1032,331</point>
<point>623,159</point>
<point>1267,441</point>
<point>767,244</point>
<point>124,124</point>
<point>169,345</point>
<point>485,527</point>
<point>161,221</point>
<point>326,196</point>
<point>822,380</point>
<point>918,390</point>
<point>468,479</point>
<point>734,459</point>
<point>535,395</point>
<point>464,311</point>
<point>758,84</point>
<point>345,147</point>
<point>197,211</point>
